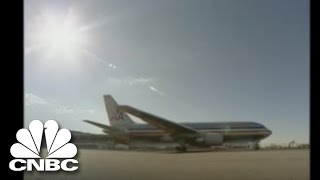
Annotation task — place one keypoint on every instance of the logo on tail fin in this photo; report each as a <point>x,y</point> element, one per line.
<point>116,116</point>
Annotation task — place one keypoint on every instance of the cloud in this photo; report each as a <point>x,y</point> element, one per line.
<point>126,80</point>
<point>64,110</point>
<point>91,111</point>
<point>53,106</point>
<point>152,88</point>
<point>129,81</point>
<point>32,99</point>
<point>142,81</point>
<point>70,110</point>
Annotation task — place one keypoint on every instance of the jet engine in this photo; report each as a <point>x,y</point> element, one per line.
<point>210,139</point>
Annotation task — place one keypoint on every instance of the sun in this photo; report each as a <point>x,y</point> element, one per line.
<point>59,35</point>
<point>61,40</point>
<point>62,36</point>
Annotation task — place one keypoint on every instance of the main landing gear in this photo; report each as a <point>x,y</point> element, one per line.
<point>254,146</point>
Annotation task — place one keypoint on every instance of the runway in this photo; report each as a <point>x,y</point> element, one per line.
<point>125,165</point>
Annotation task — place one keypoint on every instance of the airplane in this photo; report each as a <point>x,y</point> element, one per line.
<point>124,130</point>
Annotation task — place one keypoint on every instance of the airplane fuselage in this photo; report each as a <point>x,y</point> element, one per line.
<point>231,131</point>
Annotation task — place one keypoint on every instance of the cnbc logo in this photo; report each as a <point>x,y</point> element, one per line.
<point>27,151</point>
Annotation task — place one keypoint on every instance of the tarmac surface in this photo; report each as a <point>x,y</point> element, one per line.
<point>133,165</point>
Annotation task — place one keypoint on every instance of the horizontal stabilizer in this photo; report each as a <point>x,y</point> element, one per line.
<point>98,124</point>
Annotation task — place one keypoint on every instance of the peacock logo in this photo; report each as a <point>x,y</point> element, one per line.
<point>29,146</point>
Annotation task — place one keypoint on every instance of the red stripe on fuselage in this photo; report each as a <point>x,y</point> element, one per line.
<point>224,132</point>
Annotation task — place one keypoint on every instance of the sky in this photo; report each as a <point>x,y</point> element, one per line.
<point>185,60</point>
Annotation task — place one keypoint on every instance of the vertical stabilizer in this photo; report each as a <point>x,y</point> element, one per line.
<point>116,118</point>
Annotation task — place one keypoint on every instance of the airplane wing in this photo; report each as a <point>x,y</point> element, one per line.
<point>161,123</point>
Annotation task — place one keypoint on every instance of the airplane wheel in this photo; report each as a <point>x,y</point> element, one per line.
<point>113,145</point>
<point>254,147</point>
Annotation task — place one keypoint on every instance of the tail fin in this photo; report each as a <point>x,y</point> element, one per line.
<point>116,118</point>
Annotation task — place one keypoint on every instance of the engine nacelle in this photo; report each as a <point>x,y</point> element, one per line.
<point>118,136</point>
<point>211,139</point>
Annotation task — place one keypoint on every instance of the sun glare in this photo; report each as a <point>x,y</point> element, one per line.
<point>61,40</point>
<point>60,36</point>
<point>63,37</point>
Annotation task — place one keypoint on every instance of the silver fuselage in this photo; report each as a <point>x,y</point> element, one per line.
<point>231,131</point>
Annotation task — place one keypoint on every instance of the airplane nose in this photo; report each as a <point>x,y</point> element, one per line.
<point>268,132</point>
